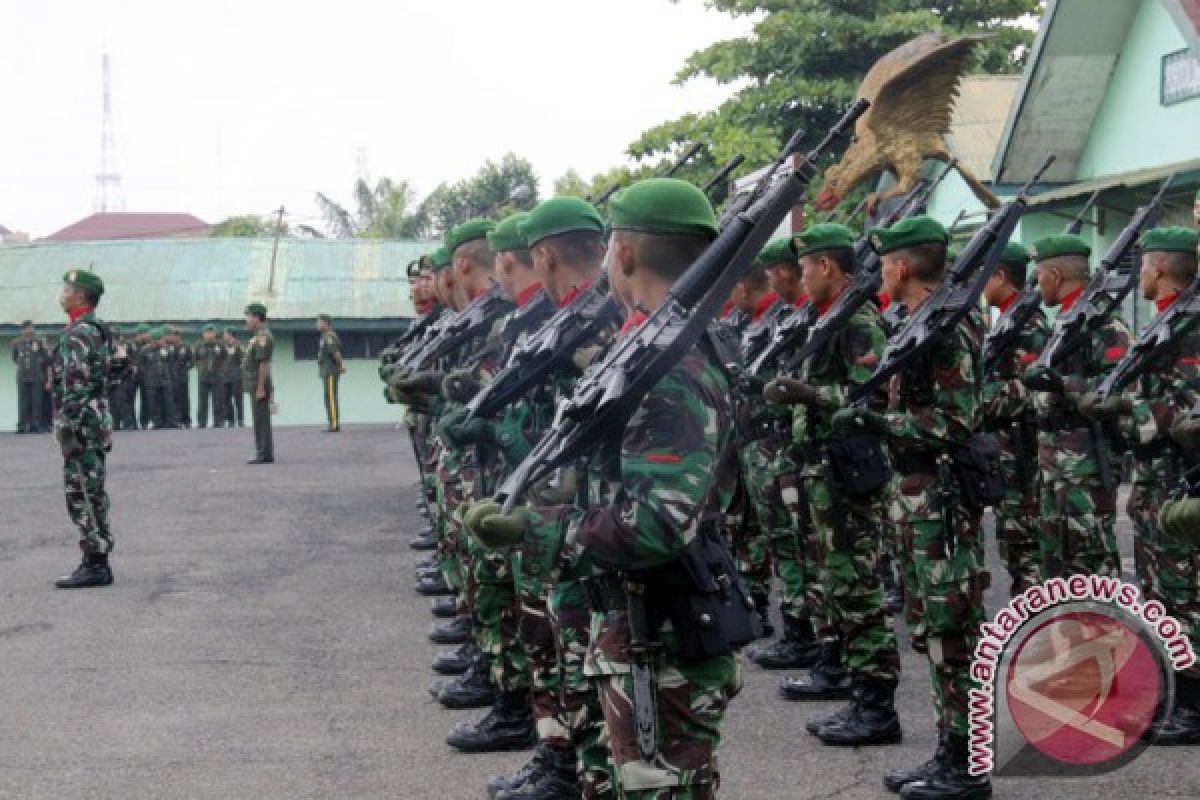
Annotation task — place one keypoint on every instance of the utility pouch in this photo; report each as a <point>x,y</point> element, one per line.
<point>977,468</point>
<point>860,464</point>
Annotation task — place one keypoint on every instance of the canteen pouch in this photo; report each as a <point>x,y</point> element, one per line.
<point>977,467</point>
<point>860,464</point>
<point>704,599</point>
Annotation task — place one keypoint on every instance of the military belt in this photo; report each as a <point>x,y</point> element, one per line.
<point>1055,423</point>
<point>915,463</point>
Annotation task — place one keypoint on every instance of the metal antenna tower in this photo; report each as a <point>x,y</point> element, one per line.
<point>108,180</point>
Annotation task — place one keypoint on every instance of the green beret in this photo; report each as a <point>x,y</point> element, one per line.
<point>507,234</point>
<point>560,215</point>
<point>663,205</point>
<point>910,232</point>
<point>257,309</point>
<point>158,332</point>
<point>826,236</point>
<point>1170,240</point>
<point>1014,253</point>
<point>82,279</point>
<point>325,318</point>
<point>1063,244</point>
<point>142,328</point>
<point>776,251</point>
<point>439,259</point>
<point>210,328</point>
<point>469,231</point>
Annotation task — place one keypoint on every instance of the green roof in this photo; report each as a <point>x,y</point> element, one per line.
<point>191,280</point>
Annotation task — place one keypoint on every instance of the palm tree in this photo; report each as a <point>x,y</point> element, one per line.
<point>383,212</point>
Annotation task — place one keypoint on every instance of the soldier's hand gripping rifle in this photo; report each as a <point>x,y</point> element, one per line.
<point>802,325</point>
<point>954,297</point>
<point>1006,333</point>
<point>1103,295</point>
<point>677,165</point>
<point>605,398</point>
<point>1154,341</point>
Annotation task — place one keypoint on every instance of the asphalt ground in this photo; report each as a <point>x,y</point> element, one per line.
<point>263,641</point>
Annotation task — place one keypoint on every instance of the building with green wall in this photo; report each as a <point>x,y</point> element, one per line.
<point>192,282</point>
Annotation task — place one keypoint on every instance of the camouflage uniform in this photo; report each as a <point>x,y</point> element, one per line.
<point>847,530</point>
<point>80,370</point>
<point>1078,510</point>
<point>1009,415</point>
<point>933,404</point>
<point>645,504</point>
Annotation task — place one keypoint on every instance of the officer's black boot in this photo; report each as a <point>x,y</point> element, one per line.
<point>444,607</point>
<point>457,661</point>
<point>434,586</point>
<point>93,571</point>
<point>456,631</point>
<point>1182,725</point>
<point>473,689</point>
<point>872,720</point>
<point>796,650</point>
<point>508,726</point>
<point>762,602</point>
<point>896,779</point>
<point>541,760</point>
<point>828,680</point>
<point>558,781</point>
<point>952,781</point>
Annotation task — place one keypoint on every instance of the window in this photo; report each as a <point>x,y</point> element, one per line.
<point>1180,77</point>
<point>354,345</point>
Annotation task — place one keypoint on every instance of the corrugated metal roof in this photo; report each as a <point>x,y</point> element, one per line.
<point>1185,173</point>
<point>214,279</point>
<point>978,121</point>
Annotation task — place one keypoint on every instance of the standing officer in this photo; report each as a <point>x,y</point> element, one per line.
<point>181,363</point>
<point>330,369</point>
<point>141,350</point>
<point>256,379</point>
<point>210,363</point>
<point>30,355</point>
<point>157,363</point>
<point>231,380</point>
<point>80,372</point>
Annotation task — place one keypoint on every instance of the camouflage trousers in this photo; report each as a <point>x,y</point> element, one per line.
<point>793,549</point>
<point>1018,524</point>
<point>945,580</point>
<point>496,616</point>
<point>1168,569</point>
<point>87,500</point>
<point>847,538</point>
<point>692,699</point>
<point>455,486</point>
<point>537,640</point>
<point>751,546</point>
<point>1078,513</point>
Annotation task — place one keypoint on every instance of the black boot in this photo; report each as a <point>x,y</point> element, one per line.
<point>425,565</point>
<point>1182,725</point>
<point>873,718</point>
<point>93,571</point>
<point>434,586</point>
<point>816,723</point>
<point>826,681</point>
<point>951,781</point>
<point>762,602</point>
<point>896,779</point>
<point>508,726</point>
<point>444,607</point>
<point>456,631</point>
<point>797,649</point>
<point>559,781</point>
<point>457,661</point>
<point>473,689</point>
<point>541,760</point>
<point>424,540</point>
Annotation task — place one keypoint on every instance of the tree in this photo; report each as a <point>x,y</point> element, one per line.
<point>248,225</point>
<point>801,66</point>
<point>496,190</point>
<point>383,212</point>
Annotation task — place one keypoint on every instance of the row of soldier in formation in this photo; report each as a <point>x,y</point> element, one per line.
<point>157,394</point>
<point>585,614</point>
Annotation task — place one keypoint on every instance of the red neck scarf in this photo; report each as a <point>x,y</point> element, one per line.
<point>572,293</point>
<point>1070,299</point>
<point>765,302</point>
<point>1166,302</point>
<point>527,295</point>
<point>76,313</point>
<point>1007,302</point>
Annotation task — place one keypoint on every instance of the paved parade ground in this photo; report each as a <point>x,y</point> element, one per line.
<point>263,641</point>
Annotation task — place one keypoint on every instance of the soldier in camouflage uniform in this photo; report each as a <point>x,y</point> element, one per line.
<point>847,528</point>
<point>934,403</point>
<point>646,502</point>
<point>210,363</point>
<point>1009,415</point>
<point>1168,568</point>
<point>81,367</point>
<point>31,356</point>
<point>1078,494</point>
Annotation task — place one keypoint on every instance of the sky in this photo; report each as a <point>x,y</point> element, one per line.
<point>230,107</point>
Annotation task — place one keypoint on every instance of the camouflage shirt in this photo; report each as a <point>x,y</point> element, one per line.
<point>1166,392</point>
<point>1005,397</point>
<point>80,370</point>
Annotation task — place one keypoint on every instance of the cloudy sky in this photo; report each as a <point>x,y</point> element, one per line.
<point>228,107</point>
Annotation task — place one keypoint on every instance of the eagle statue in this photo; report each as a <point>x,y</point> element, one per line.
<point>912,91</point>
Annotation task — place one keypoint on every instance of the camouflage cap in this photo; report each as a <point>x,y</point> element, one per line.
<point>469,231</point>
<point>82,279</point>
<point>1061,244</point>
<point>818,238</point>
<point>257,309</point>
<point>506,235</point>
<point>560,215</point>
<point>910,232</point>
<point>776,251</point>
<point>1014,253</point>
<point>1170,240</point>
<point>663,205</point>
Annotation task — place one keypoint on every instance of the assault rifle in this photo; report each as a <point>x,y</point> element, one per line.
<point>605,398</point>
<point>863,287</point>
<point>1155,340</point>
<point>740,203</point>
<point>691,153</point>
<point>418,326</point>
<point>1004,336</point>
<point>723,173</point>
<point>1105,292</point>
<point>953,299</point>
<point>474,320</point>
